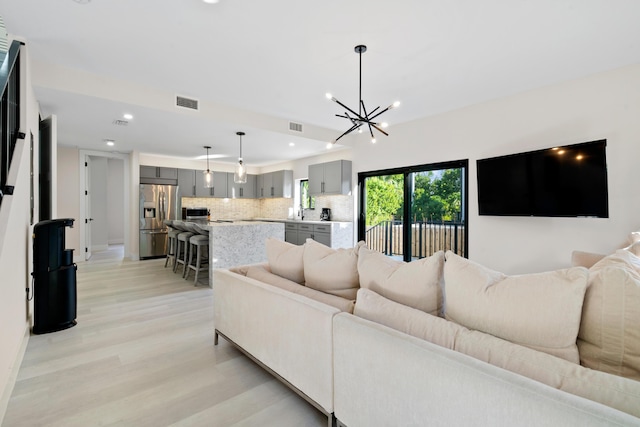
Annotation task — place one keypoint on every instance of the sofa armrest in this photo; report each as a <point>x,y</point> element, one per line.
<point>291,334</point>
<point>383,377</point>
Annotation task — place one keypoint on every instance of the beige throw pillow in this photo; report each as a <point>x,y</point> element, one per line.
<point>585,259</point>
<point>609,338</point>
<point>619,393</point>
<point>285,259</point>
<point>417,284</point>
<point>417,323</point>
<point>541,311</point>
<point>334,271</point>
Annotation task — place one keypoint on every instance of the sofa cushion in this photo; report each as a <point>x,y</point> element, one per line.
<point>417,284</point>
<point>585,259</point>
<point>609,338</point>
<point>262,274</point>
<point>619,393</point>
<point>285,259</point>
<point>374,307</point>
<point>334,271</point>
<point>541,311</point>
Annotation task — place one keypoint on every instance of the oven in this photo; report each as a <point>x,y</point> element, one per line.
<point>195,214</point>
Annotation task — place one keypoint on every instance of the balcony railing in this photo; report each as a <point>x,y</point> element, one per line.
<point>9,111</point>
<point>427,238</point>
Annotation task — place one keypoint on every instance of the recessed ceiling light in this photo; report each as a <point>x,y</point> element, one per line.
<point>127,116</point>
<point>292,144</point>
<point>210,1</point>
<point>110,142</point>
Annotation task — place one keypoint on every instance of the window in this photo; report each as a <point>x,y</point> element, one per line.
<point>306,201</point>
<point>411,213</point>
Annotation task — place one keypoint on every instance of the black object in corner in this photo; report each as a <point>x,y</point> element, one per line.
<point>54,273</point>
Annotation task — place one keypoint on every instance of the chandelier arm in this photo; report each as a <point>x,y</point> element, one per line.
<point>347,108</point>
<point>351,129</point>
<point>381,112</point>
<point>366,116</point>
<point>378,128</point>
<point>374,110</point>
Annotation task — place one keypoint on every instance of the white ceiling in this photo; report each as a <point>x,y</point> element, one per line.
<point>255,65</point>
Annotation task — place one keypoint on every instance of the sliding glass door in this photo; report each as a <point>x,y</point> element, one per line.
<point>411,213</point>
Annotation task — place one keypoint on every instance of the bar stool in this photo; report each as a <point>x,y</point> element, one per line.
<point>200,250</point>
<point>182,247</point>
<point>172,235</point>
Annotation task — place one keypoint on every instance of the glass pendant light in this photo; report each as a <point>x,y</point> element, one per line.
<point>240,174</point>
<point>207,175</point>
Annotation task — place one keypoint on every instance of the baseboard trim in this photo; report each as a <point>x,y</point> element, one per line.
<point>13,376</point>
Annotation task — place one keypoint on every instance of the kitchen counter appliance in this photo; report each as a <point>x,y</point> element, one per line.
<point>325,215</point>
<point>157,203</point>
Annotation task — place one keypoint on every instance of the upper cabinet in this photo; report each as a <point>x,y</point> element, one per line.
<point>330,178</point>
<point>241,191</point>
<point>275,184</point>
<point>158,175</point>
<point>186,183</point>
<point>219,188</point>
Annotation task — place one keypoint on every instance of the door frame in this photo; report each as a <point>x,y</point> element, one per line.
<point>126,194</point>
<point>405,171</point>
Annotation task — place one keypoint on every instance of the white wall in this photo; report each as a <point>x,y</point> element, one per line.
<point>16,253</point>
<point>606,105</point>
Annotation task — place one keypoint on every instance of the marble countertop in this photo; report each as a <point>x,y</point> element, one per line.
<point>299,221</point>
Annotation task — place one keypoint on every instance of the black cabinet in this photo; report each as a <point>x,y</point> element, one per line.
<point>54,277</point>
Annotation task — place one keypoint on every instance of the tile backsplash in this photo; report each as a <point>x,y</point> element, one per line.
<point>280,208</point>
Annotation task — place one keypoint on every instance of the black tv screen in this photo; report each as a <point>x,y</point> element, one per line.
<point>567,181</point>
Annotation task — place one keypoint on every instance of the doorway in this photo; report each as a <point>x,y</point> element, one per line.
<point>411,213</point>
<point>104,188</point>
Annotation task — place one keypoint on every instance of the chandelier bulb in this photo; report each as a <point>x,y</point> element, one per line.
<point>373,140</point>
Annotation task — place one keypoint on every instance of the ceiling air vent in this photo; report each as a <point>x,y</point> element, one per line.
<point>296,127</point>
<point>183,102</point>
<point>120,122</point>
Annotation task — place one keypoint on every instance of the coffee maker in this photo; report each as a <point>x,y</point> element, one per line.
<point>325,215</point>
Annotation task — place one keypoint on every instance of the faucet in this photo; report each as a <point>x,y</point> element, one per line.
<point>301,213</point>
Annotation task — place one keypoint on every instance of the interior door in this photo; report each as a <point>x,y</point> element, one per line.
<point>87,208</point>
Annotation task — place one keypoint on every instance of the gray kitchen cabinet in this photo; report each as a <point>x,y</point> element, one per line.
<point>275,184</point>
<point>186,183</point>
<point>291,233</point>
<point>219,188</point>
<point>241,191</point>
<point>158,175</point>
<point>330,178</point>
<point>322,234</point>
<point>297,233</point>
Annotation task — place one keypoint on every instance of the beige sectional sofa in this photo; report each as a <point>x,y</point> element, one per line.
<point>442,340</point>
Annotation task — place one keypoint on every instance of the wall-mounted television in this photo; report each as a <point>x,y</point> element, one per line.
<point>563,181</point>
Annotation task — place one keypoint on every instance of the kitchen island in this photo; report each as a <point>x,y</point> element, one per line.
<point>238,242</point>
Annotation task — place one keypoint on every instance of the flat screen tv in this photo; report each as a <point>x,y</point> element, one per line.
<point>567,181</point>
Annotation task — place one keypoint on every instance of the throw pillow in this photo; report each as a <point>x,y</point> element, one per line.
<point>585,259</point>
<point>417,323</point>
<point>262,274</point>
<point>285,259</point>
<point>609,338</point>
<point>417,284</point>
<point>541,311</point>
<point>334,271</point>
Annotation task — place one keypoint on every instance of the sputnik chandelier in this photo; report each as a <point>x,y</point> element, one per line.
<point>362,117</point>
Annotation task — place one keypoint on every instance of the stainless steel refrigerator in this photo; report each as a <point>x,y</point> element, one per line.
<point>157,203</point>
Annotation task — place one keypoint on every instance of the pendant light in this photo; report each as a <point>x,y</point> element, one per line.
<point>240,174</point>
<point>207,175</point>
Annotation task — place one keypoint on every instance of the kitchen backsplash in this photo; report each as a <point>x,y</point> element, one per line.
<point>280,208</point>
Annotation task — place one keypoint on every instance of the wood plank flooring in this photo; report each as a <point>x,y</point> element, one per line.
<point>142,354</point>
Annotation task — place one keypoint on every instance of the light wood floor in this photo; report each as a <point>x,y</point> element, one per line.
<point>142,354</point>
